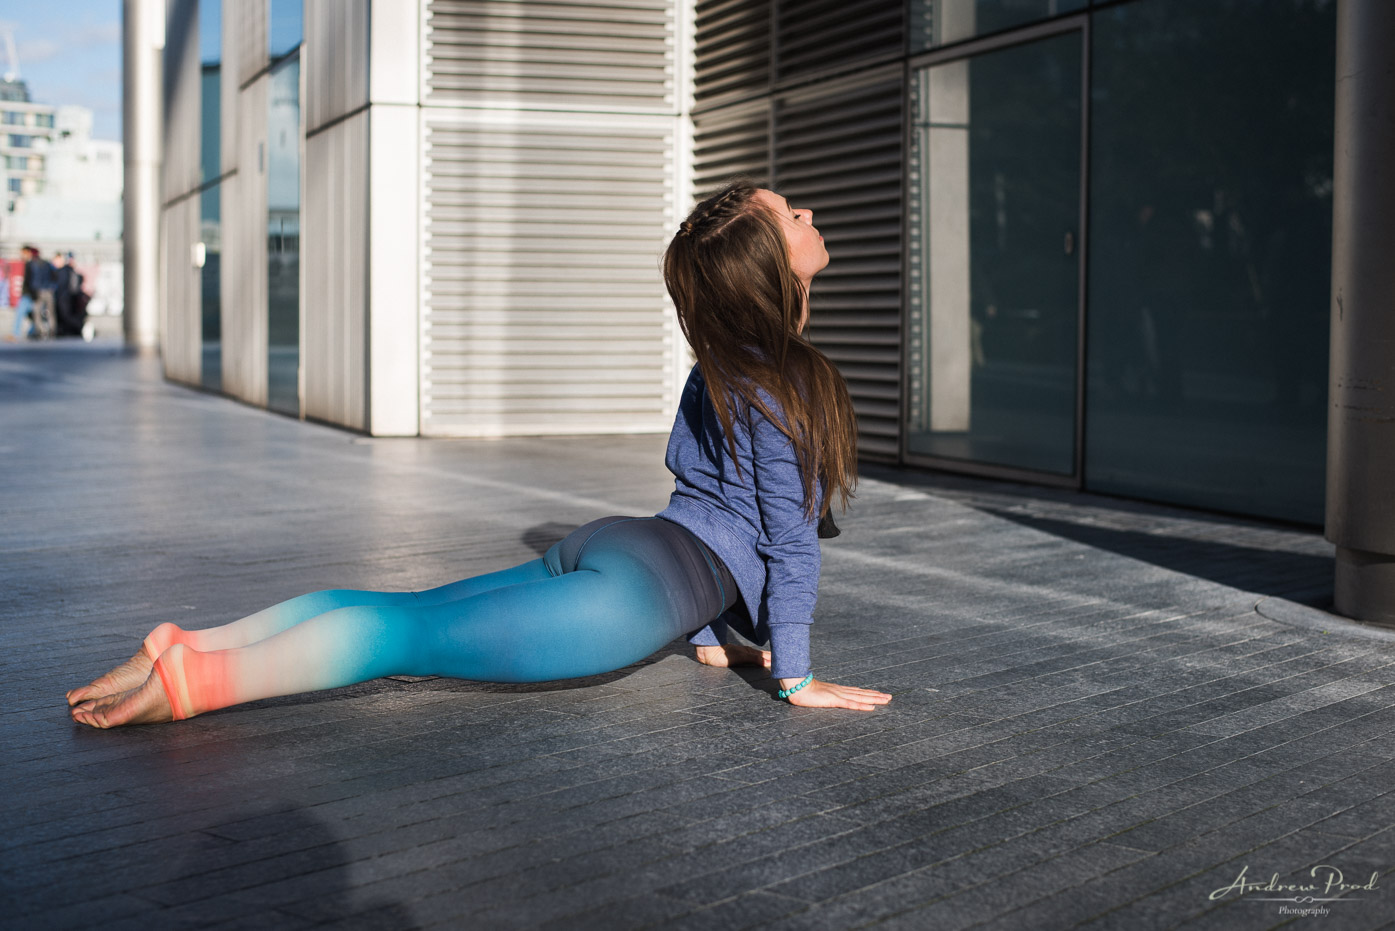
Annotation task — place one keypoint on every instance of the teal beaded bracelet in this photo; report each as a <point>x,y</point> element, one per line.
<point>786,693</point>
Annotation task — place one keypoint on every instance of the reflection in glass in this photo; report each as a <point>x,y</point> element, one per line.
<point>211,234</point>
<point>995,194</point>
<point>283,239</point>
<point>1210,258</point>
<point>286,28</point>
<point>210,162</point>
<point>939,22</point>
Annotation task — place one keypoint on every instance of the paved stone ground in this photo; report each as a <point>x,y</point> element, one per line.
<point>1105,711</point>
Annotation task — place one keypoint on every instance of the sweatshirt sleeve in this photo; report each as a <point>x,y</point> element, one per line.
<point>713,635</point>
<point>789,547</point>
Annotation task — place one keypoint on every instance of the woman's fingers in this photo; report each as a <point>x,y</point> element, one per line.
<point>827,695</point>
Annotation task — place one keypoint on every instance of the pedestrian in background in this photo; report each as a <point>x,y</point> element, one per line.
<point>41,282</point>
<point>24,310</point>
<point>69,300</point>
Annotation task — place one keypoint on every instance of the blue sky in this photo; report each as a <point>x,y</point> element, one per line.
<point>70,53</point>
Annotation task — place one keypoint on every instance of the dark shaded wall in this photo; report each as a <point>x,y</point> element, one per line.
<point>1210,253</point>
<point>808,97</point>
<point>1210,212</point>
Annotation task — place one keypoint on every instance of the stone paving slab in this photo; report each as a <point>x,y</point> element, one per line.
<point>1105,710</point>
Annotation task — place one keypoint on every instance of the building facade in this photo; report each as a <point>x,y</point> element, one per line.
<point>425,218</point>
<point>62,193</point>
<point>1083,244</point>
<point>26,130</point>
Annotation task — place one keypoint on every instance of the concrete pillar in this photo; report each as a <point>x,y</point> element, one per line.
<point>1361,421</point>
<point>142,40</point>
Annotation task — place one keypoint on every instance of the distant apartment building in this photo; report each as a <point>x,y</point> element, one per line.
<point>1085,244</point>
<point>26,130</point>
<point>62,187</point>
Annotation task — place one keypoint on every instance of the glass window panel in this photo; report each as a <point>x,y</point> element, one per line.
<point>1210,255</point>
<point>210,129</point>
<point>210,51</point>
<point>287,27</point>
<point>938,22</point>
<point>994,266</point>
<point>211,235</point>
<point>283,239</point>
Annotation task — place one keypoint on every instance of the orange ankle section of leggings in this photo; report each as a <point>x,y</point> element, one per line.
<point>172,680</point>
<point>196,682</point>
<point>161,639</point>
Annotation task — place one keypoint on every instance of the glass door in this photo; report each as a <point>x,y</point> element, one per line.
<point>995,259</point>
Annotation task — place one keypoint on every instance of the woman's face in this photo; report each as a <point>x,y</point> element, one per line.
<point>808,256</point>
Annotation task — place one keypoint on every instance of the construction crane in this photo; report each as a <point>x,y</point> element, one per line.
<point>7,33</point>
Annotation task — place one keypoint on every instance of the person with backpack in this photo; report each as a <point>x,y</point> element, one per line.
<point>69,300</point>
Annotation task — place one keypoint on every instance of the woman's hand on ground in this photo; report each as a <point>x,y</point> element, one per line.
<point>733,654</point>
<point>827,695</point>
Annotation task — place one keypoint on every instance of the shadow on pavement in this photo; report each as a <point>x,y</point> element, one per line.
<point>1188,541</point>
<point>1300,577</point>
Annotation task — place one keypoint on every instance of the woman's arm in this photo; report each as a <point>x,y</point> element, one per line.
<point>792,561</point>
<point>788,547</point>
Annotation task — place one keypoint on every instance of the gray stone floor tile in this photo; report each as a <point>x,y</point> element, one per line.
<point>1103,708</point>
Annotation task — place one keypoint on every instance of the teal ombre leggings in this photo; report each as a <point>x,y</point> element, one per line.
<point>608,595</point>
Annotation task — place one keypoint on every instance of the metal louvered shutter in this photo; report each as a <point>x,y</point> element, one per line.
<point>545,311</point>
<point>733,50</point>
<point>592,54</point>
<point>812,35</point>
<point>838,151</point>
<point>729,143</point>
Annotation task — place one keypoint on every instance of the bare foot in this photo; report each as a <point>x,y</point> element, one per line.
<point>733,654</point>
<point>147,704</point>
<point>123,678</point>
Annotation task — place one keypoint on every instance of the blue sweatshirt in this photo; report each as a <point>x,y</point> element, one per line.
<point>753,519</point>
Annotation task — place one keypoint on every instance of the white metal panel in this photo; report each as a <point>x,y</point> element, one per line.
<point>233,42</point>
<point>334,262</point>
<point>180,343</point>
<point>395,49</point>
<point>179,169</point>
<point>335,60</point>
<point>544,307</point>
<point>394,303</point>
<point>729,143</point>
<point>253,22</point>
<point>244,305</point>
<point>811,35</point>
<point>616,55</point>
<point>733,50</point>
<point>838,151</point>
<point>179,166</point>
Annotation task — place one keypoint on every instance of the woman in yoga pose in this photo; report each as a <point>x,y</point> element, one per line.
<point>763,442</point>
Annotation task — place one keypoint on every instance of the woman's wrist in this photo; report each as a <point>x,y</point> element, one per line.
<point>788,691</point>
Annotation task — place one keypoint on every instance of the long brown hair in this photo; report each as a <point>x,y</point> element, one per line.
<point>741,306</point>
